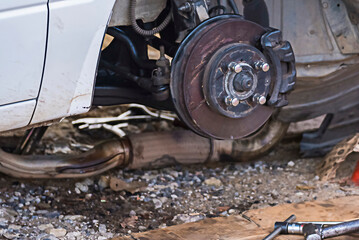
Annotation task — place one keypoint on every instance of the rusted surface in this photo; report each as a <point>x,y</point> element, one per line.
<point>256,224</point>
<point>145,150</point>
<point>151,150</point>
<point>187,78</point>
<point>101,158</point>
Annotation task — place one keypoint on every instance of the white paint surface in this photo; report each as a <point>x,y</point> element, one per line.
<point>76,30</point>
<point>16,115</point>
<point>23,25</point>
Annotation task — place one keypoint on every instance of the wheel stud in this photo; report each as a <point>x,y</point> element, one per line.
<point>232,101</point>
<point>259,99</point>
<point>235,67</point>
<point>262,66</point>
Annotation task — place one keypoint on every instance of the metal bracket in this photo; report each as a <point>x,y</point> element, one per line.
<point>281,56</point>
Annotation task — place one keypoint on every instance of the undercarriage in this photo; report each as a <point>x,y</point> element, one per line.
<point>235,74</point>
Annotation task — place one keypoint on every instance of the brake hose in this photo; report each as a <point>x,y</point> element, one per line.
<point>142,31</point>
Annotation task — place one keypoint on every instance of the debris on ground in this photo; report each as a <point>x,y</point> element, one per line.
<point>257,223</point>
<point>117,184</point>
<point>336,159</point>
<point>124,202</point>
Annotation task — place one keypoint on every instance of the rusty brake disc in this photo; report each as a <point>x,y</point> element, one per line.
<point>220,79</point>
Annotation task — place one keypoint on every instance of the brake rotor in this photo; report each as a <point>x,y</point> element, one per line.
<point>220,79</point>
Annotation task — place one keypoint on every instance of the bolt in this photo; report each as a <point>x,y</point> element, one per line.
<point>263,66</point>
<point>235,67</point>
<point>259,99</point>
<point>186,7</point>
<point>232,101</point>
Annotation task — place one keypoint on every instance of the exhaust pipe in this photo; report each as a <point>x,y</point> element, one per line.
<point>145,150</point>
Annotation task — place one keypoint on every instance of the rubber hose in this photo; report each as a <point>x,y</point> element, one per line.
<point>144,32</point>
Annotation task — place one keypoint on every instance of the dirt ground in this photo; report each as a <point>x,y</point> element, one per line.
<point>90,209</point>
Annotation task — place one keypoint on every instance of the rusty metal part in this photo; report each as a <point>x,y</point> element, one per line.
<point>151,150</point>
<point>145,150</point>
<point>258,143</point>
<point>241,84</point>
<point>187,78</point>
<point>101,158</point>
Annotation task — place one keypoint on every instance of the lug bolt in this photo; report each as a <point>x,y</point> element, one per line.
<point>235,67</point>
<point>263,66</point>
<point>232,101</point>
<point>259,99</point>
<point>186,7</point>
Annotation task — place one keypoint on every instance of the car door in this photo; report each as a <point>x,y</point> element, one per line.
<point>23,25</point>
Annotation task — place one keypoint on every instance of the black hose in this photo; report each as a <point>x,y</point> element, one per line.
<point>144,32</point>
<point>122,36</point>
<point>233,5</point>
<point>256,11</point>
<point>144,83</point>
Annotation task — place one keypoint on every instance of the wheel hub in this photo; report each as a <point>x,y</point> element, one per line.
<point>220,78</point>
<point>231,79</point>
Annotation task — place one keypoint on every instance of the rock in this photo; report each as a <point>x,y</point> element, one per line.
<point>8,214</point>
<point>225,214</point>
<point>88,196</point>
<point>9,235</point>
<point>231,211</point>
<point>43,227</point>
<point>104,182</point>
<point>3,222</point>
<point>102,228</point>
<point>88,182</point>
<point>290,164</point>
<point>44,236</point>
<point>14,227</point>
<point>158,203</point>
<point>132,213</point>
<point>73,235</point>
<point>186,218</point>
<point>57,232</point>
<point>299,194</point>
<point>78,191</point>
<point>142,228</point>
<point>213,182</point>
<point>74,217</point>
<point>83,187</point>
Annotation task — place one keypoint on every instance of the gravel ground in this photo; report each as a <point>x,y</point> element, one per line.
<point>91,209</point>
